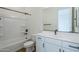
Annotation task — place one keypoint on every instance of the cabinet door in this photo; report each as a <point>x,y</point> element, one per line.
<point>40,44</point>
<point>52,48</point>
<point>70,47</point>
<point>53,45</point>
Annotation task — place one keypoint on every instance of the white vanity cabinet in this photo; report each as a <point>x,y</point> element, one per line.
<point>45,44</point>
<point>52,45</point>
<point>52,48</point>
<point>40,44</point>
<point>70,47</point>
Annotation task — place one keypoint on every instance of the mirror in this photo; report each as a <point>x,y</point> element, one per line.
<point>63,19</point>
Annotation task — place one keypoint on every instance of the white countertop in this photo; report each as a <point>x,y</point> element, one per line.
<point>71,37</point>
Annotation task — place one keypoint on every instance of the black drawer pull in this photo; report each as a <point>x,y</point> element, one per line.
<point>73,47</point>
<point>59,50</point>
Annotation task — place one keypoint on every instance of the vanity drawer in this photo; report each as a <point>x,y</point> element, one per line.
<point>70,45</point>
<point>53,41</point>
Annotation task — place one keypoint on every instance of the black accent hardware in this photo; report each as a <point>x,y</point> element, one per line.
<point>59,50</point>
<point>43,45</point>
<point>0,18</point>
<point>73,47</point>
<point>26,30</point>
<point>55,31</point>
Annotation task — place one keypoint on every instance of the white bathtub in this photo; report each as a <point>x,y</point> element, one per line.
<point>11,47</point>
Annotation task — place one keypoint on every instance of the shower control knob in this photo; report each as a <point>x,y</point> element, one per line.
<point>0,18</point>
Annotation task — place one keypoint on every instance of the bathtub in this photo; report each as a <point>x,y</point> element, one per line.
<point>12,46</point>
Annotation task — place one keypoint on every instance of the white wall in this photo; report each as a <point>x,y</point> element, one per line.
<point>35,21</point>
<point>50,16</point>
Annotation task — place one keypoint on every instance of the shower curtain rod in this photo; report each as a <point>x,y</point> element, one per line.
<point>15,11</point>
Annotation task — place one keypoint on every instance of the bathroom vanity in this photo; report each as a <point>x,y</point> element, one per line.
<point>61,42</point>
